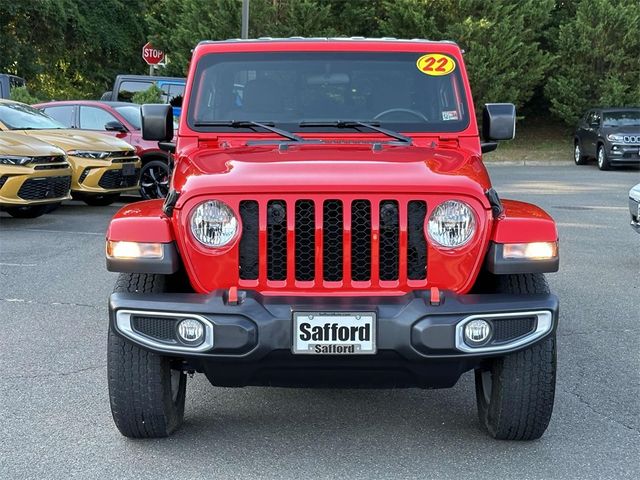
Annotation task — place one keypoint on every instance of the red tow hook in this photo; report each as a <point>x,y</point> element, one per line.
<point>232,296</point>
<point>436,296</point>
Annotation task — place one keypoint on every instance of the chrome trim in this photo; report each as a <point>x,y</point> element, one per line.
<point>123,324</point>
<point>544,324</point>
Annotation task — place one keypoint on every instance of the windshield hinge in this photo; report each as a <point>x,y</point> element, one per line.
<point>496,205</point>
<point>170,202</point>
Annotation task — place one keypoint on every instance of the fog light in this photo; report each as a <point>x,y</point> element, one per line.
<point>191,331</point>
<point>531,251</point>
<point>128,250</point>
<point>477,332</point>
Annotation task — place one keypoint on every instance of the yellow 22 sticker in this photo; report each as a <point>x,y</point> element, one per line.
<point>436,64</point>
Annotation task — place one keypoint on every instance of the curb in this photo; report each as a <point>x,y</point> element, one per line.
<point>528,163</point>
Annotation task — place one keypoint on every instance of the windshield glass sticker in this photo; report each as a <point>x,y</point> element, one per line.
<point>436,64</point>
<point>450,115</point>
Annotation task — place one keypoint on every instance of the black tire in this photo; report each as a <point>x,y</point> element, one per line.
<point>154,179</point>
<point>515,393</point>
<point>27,211</point>
<point>146,394</point>
<point>578,157</point>
<point>602,158</point>
<point>101,200</point>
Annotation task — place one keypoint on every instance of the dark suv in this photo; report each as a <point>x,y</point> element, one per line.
<point>611,135</point>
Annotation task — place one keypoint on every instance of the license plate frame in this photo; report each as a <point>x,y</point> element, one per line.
<point>333,345</point>
<point>128,169</point>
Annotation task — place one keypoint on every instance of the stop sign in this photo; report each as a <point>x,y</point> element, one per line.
<point>152,55</point>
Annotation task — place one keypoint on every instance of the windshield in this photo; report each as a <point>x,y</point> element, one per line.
<point>132,114</point>
<point>626,118</point>
<point>397,91</point>
<point>18,116</point>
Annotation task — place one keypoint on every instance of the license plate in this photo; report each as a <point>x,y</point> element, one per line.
<point>128,169</point>
<point>320,333</point>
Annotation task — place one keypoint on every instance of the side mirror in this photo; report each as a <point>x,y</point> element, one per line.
<point>499,121</point>
<point>157,122</point>
<point>106,96</point>
<point>115,126</point>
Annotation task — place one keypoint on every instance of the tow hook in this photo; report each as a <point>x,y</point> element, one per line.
<point>436,296</point>
<point>234,297</point>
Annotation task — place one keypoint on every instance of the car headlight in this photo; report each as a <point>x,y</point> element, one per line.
<point>452,224</point>
<point>95,155</point>
<point>615,137</point>
<point>15,160</point>
<point>213,223</point>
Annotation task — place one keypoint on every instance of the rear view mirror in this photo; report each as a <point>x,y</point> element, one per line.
<point>157,122</point>
<point>499,121</point>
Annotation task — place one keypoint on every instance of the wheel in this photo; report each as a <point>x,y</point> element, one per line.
<point>578,157</point>
<point>515,393</point>
<point>27,211</point>
<point>154,180</point>
<point>101,200</point>
<point>603,160</point>
<point>146,394</point>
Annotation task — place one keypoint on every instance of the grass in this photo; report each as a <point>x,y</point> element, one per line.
<point>536,140</point>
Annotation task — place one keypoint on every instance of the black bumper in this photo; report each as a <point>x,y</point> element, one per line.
<point>252,340</point>
<point>620,153</point>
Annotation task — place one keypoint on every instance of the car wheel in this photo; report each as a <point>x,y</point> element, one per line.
<point>27,211</point>
<point>603,160</point>
<point>515,393</point>
<point>101,200</point>
<point>578,157</point>
<point>146,392</point>
<point>154,180</point>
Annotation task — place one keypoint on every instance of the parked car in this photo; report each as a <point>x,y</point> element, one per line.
<point>611,135</point>
<point>8,83</point>
<point>335,227</point>
<point>126,86</point>
<point>634,207</point>
<point>103,167</point>
<point>34,176</point>
<point>121,120</point>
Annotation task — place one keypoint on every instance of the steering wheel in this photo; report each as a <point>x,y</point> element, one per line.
<point>405,110</point>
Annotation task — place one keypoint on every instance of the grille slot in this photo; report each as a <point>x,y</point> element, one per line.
<point>158,328</point>
<point>332,240</point>
<point>389,240</point>
<point>44,187</point>
<point>249,241</point>
<point>508,329</point>
<point>277,240</point>
<point>417,243</point>
<point>114,179</point>
<point>3,180</point>
<point>305,240</point>
<point>361,240</point>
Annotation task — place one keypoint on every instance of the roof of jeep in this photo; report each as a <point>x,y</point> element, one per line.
<point>327,39</point>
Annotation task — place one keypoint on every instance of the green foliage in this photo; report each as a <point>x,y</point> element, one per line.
<point>21,94</point>
<point>597,58</point>
<point>153,94</point>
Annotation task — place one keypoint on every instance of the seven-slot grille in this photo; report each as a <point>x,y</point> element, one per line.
<point>334,241</point>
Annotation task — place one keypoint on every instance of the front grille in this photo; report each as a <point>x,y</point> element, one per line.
<point>114,179</point>
<point>159,328</point>
<point>508,329</point>
<point>47,159</point>
<point>54,166</point>
<point>45,187</point>
<point>334,240</point>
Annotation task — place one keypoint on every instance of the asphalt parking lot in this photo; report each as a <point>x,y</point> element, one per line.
<point>54,411</point>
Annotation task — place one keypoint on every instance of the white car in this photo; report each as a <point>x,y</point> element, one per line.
<point>634,207</point>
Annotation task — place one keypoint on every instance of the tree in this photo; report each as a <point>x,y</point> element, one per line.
<point>597,59</point>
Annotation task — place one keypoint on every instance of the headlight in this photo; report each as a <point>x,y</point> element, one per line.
<point>213,223</point>
<point>14,160</point>
<point>90,154</point>
<point>452,224</point>
<point>615,137</point>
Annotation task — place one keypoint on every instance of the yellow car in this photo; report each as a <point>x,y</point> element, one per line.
<point>103,166</point>
<point>34,176</point>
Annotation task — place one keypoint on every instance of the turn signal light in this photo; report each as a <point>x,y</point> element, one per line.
<point>126,250</point>
<point>531,251</point>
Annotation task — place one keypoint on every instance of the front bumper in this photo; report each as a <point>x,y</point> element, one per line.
<point>622,153</point>
<point>29,185</point>
<point>104,176</point>
<point>418,344</point>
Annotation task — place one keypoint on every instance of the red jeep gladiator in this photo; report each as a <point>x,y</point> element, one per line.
<point>330,223</point>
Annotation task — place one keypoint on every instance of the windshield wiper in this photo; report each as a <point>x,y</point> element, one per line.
<point>355,124</point>
<point>250,124</point>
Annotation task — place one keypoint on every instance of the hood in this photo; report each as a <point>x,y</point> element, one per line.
<point>331,168</point>
<point>626,130</point>
<point>72,139</point>
<point>24,145</point>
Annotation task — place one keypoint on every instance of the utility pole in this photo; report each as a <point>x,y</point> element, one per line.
<point>245,19</point>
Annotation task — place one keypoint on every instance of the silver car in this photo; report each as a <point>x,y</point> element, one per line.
<point>634,207</point>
